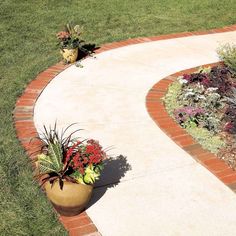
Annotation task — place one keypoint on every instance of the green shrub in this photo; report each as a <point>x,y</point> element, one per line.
<point>227,53</point>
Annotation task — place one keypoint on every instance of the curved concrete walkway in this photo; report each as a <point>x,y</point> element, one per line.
<point>166,192</point>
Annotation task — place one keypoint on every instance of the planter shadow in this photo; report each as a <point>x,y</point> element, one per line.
<point>83,54</point>
<point>114,170</point>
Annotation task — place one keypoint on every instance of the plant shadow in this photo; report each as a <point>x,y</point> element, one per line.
<point>87,50</point>
<point>114,170</point>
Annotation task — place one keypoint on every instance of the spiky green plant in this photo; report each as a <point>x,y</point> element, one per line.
<point>50,163</point>
<point>68,158</point>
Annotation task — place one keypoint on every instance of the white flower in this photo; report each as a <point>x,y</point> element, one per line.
<point>211,89</point>
<point>189,93</point>
<point>202,97</point>
<point>182,81</point>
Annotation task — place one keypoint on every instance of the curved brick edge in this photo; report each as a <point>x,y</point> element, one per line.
<point>158,113</point>
<point>26,132</point>
<point>82,225</point>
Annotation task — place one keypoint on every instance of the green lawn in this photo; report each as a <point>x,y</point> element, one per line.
<point>27,30</point>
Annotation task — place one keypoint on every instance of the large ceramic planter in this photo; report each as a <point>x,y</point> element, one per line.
<point>71,200</point>
<point>69,55</point>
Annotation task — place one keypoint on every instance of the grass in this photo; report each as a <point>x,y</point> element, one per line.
<point>27,32</point>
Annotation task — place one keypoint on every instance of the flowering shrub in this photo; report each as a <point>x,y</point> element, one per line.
<point>220,77</point>
<point>195,77</point>
<point>69,159</point>
<point>197,93</point>
<point>85,158</point>
<point>191,95</point>
<point>188,114</point>
<point>204,103</point>
<point>70,37</point>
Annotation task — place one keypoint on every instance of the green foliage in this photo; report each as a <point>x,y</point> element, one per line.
<point>207,139</point>
<point>205,70</point>
<point>170,99</point>
<point>70,37</point>
<point>179,95</point>
<point>232,99</point>
<point>55,154</point>
<point>191,95</point>
<point>190,123</point>
<point>52,162</point>
<point>212,122</point>
<point>92,173</point>
<point>227,53</point>
<point>27,30</point>
<point>196,95</point>
<point>183,96</point>
<point>68,158</point>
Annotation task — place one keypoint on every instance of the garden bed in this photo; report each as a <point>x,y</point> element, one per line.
<point>204,104</point>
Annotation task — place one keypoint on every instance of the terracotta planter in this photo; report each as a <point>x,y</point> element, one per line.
<point>71,200</point>
<point>70,55</point>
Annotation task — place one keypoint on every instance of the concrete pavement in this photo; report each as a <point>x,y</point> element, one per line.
<point>166,192</point>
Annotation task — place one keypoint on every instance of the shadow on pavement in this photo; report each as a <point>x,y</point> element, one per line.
<point>114,170</point>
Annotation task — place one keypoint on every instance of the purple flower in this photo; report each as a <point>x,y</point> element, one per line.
<point>187,77</point>
<point>184,113</point>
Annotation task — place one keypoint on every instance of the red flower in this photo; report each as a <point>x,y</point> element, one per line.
<point>205,82</point>
<point>187,77</point>
<point>81,155</point>
<point>63,35</point>
<point>90,149</point>
<point>76,160</point>
<point>71,151</point>
<point>81,170</point>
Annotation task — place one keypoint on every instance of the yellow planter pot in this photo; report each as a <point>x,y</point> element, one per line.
<point>70,55</point>
<point>71,200</point>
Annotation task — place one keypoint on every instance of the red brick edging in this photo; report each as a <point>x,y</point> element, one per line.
<point>23,117</point>
<point>23,120</point>
<point>157,111</point>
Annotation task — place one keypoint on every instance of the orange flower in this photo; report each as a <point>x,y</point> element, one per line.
<point>63,35</point>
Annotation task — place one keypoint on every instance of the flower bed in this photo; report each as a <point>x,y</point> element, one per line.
<point>204,103</point>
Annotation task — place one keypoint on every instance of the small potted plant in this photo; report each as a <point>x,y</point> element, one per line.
<point>70,43</point>
<point>67,169</point>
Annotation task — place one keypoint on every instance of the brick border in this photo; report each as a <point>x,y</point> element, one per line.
<point>82,225</point>
<point>158,113</point>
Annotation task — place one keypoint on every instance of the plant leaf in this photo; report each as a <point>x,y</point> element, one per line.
<point>56,156</point>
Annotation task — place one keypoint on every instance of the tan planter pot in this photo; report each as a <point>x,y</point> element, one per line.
<point>71,200</point>
<point>70,55</point>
